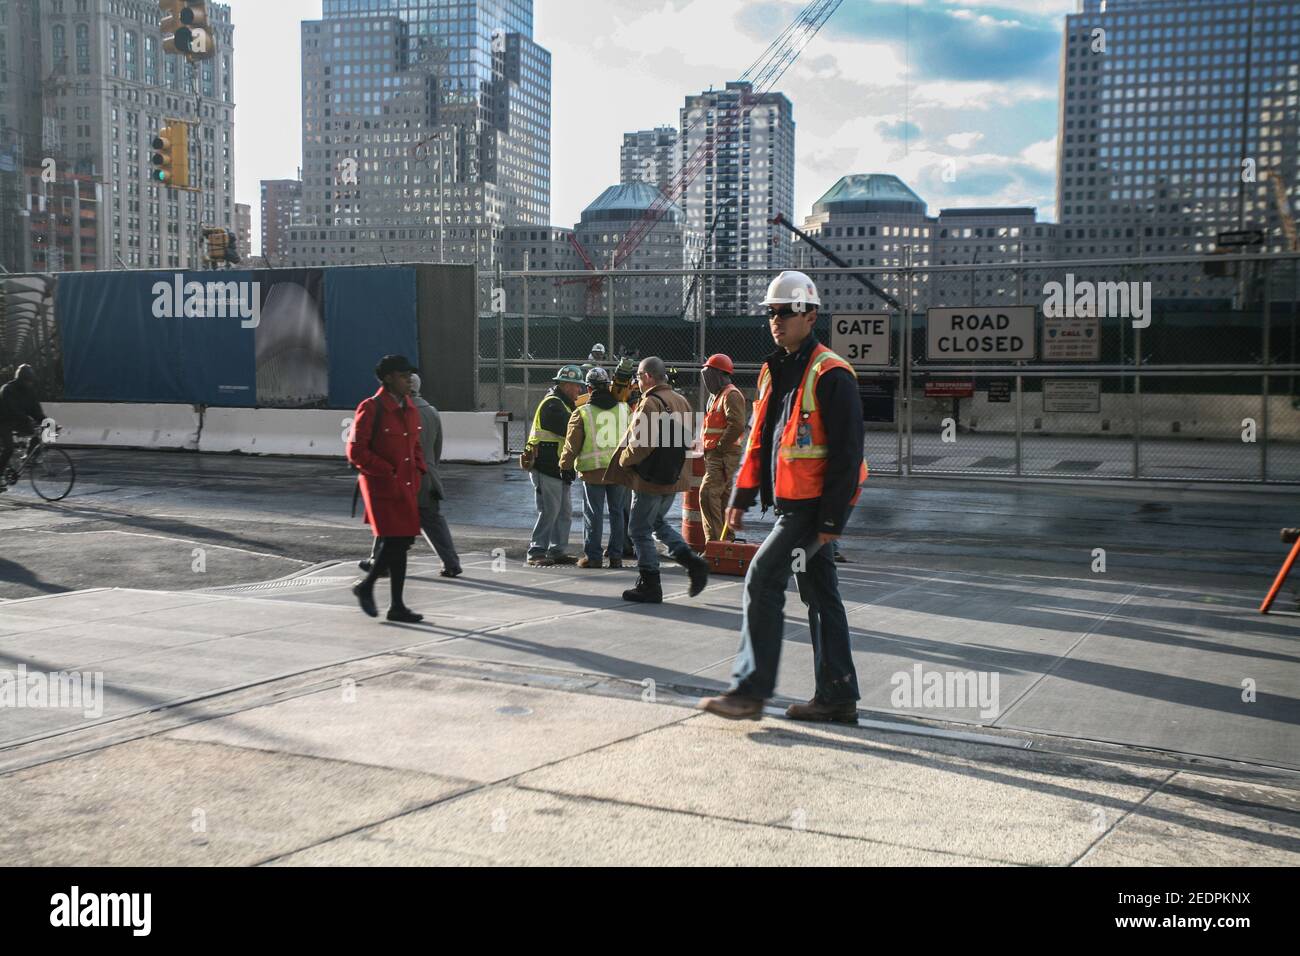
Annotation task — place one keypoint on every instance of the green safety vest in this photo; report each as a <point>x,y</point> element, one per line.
<point>608,424</point>
<point>539,435</point>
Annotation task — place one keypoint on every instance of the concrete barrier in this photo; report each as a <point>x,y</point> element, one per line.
<point>276,431</point>
<point>466,436</point>
<point>126,426</point>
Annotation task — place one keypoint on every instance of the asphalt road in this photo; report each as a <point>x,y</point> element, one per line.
<point>136,519</point>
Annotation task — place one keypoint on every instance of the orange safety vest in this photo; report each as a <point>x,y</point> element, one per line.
<point>715,422</point>
<point>801,458</point>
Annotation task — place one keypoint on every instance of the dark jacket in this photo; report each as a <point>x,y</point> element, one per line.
<point>18,403</point>
<point>555,418</point>
<point>841,411</point>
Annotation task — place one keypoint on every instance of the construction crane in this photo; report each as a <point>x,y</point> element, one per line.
<point>1283,202</point>
<point>780,220</point>
<point>761,77</point>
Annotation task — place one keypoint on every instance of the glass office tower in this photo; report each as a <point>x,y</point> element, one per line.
<point>1173,115</point>
<point>426,131</point>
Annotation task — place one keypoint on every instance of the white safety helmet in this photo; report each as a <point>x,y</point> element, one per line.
<point>792,288</point>
<point>598,350</point>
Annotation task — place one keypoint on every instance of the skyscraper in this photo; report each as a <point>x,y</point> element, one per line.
<point>426,131</point>
<point>745,183</point>
<point>1171,114</point>
<point>104,88</point>
<point>281,207</point>
<point>650,156</point>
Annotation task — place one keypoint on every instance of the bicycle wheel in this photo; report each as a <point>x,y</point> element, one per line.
<point>52,473</point>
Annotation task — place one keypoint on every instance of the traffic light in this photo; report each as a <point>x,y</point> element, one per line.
<point>187,28</point>
<point>171,155</point>
<point>222,244</point>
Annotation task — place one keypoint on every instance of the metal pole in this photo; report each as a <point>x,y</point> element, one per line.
<point>1266,305</point>
<point>526,354</point>
<point>610,287</point>
<point>501,344</point>
<point>1020,422</point>
<point>1137,403</point>
<point>907,372</point>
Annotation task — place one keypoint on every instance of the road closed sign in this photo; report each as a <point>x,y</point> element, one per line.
<point>981,334</point>
<point>861,338</point>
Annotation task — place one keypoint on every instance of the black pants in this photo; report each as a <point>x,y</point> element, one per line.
<point>390,556</point>
<point>7,443</point>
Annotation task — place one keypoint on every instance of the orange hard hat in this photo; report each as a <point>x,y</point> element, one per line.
<point>721,362</point>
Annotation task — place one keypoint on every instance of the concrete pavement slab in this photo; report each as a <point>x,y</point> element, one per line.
<point>505,826</point>
<point>1200,821</point>
<point>932,795</point>
<point>452,727</point>
<point>159,802</point>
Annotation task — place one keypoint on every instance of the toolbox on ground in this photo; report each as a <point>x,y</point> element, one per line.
<point>729,557</point>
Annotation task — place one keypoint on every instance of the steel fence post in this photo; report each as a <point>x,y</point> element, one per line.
<point>1266,306</point>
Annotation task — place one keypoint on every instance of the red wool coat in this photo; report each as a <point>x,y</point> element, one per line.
<point>391,470</point>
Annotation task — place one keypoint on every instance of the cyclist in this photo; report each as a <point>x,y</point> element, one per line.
<point>21,412</point>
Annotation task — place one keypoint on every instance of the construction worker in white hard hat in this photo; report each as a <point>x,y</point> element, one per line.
<point>595,429</point>
<point>724,427</point>
<point>804,459</point>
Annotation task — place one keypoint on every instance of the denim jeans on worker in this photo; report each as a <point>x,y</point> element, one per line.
<point>595,498</point>
<point>650,521</point>
<point>554,516</point>
<point>754,674</point>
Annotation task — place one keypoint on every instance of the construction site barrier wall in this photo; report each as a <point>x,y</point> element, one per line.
<point>473,437</point>
<point>126,426</point>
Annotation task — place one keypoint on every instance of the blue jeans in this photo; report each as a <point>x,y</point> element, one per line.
<point>594,499</point>
<point>649,521</point>
<point>554,516</point>
<point>754,674</point>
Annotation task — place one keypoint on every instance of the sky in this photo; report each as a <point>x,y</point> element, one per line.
<point>958,98</point>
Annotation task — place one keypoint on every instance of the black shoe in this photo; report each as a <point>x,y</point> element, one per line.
<point>450,573</point>
<point>366,598</point>
<point>647,591</point>
<point>404,615</point>
<point>698,569</point>
<point>840,559</point>
<point>563,559</point>
<point>367,564</point>
<point>629,551</point>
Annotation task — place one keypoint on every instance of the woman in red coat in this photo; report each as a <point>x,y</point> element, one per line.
<point>385,448</point>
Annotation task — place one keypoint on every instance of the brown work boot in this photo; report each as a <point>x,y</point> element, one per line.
<point>842,713</point>
<point>586,562</point>
<point>733,706</point>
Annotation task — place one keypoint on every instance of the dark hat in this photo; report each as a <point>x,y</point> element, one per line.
<point>393,363</point>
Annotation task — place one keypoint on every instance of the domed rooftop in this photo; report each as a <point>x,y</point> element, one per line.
<point>627,201</point>
<point>870,192</point>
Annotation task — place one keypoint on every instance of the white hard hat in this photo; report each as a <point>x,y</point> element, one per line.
<point>598,347</point>
<point>792,288</point>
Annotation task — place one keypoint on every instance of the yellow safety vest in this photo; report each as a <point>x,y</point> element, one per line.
<point>539,435</point>
<point>602,430</point>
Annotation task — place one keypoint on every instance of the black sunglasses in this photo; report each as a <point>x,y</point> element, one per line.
<point>783,312</point>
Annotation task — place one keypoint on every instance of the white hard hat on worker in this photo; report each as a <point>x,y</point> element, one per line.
<point>794,289</point>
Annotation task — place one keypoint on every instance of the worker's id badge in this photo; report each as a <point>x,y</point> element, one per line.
<point>804,438</point>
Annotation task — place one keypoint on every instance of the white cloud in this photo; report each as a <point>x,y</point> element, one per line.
<point>1041,154</point>
<point>983,19</point>
<point>964,140</point>
<point>1043,8</point>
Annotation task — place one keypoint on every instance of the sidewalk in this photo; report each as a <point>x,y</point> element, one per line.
<point>400,761</point>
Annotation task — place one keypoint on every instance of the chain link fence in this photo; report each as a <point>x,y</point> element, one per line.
<point>1168,368</point>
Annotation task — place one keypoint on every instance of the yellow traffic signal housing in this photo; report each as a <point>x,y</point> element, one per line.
<point>222,244</point>
<point>187,29</point>
<point>171,155</point>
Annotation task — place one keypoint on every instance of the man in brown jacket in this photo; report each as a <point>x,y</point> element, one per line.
<point>652,462</point>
